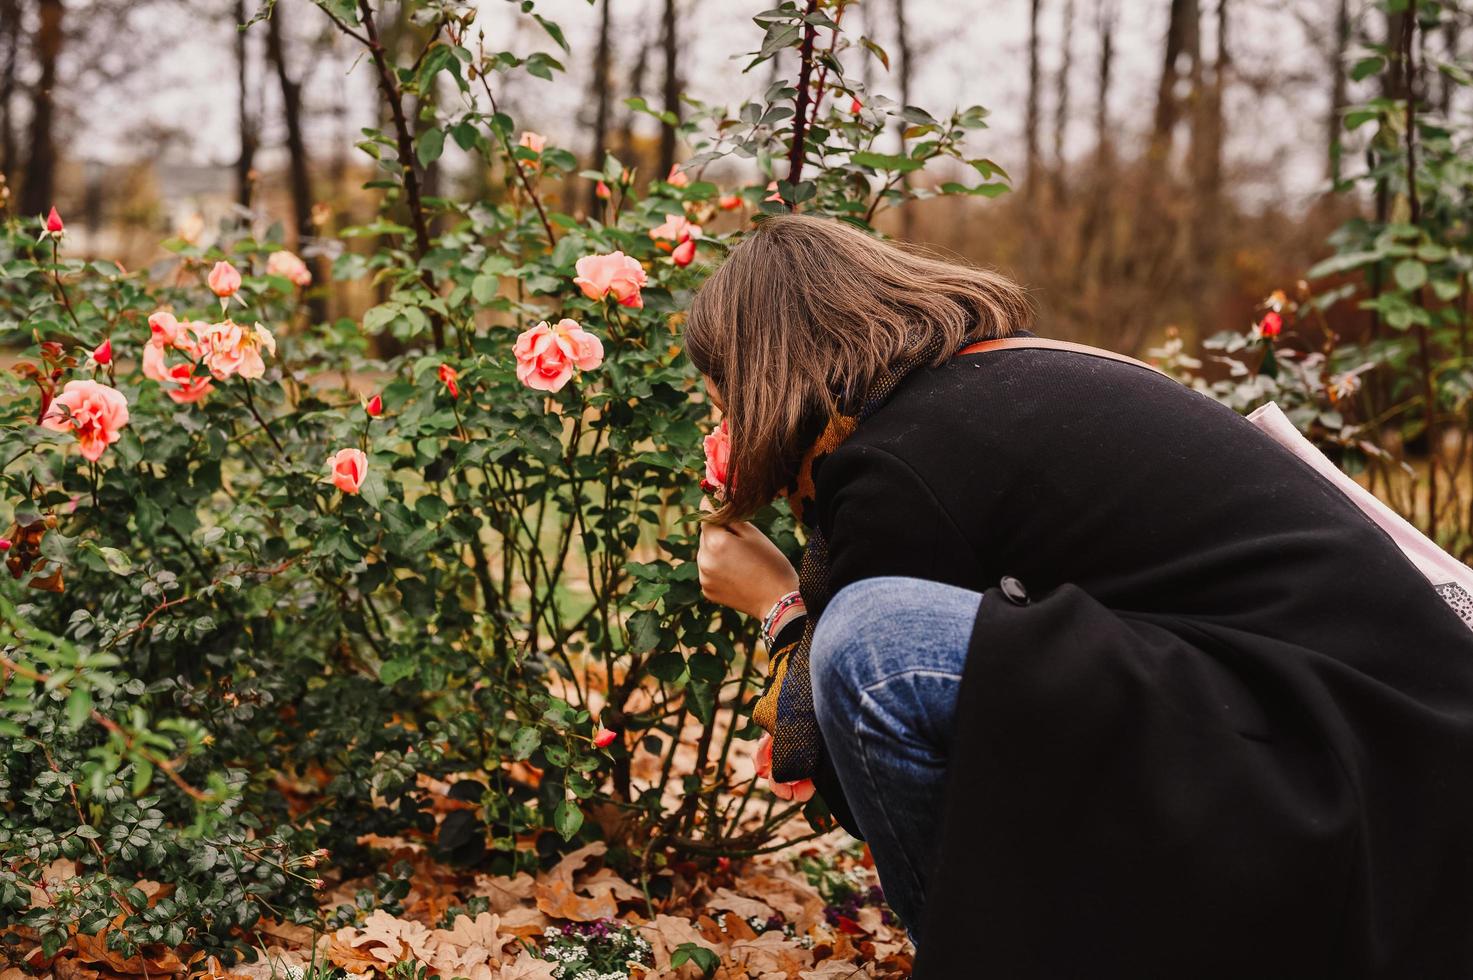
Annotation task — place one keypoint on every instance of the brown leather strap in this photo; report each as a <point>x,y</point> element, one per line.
<point>1039,343</point>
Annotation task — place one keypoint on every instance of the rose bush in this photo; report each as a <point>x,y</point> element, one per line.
<point>268,587</point>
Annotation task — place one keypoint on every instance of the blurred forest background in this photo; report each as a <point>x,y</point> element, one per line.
<point>1172,160</point>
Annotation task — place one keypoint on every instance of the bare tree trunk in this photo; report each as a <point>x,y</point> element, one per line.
<point>291,111</point>
<point>1181,39</point>
<point>902,43</point>
<point>1031,118</point>
<point>1339,98</point>
<point>1061,104</point>
<point>247,123</point>
<point>1104,144</point>
<point>1452,43</point>
<point>601,83</point>
<point>1208,136</point>
<point>10,12</point>
<point>296,144</point>
<point>670,42</point>
<point>39,188</point>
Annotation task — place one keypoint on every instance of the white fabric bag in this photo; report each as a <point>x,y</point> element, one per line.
<point>1451,578</point>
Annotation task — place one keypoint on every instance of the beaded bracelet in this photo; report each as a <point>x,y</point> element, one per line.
<point>778,608</point>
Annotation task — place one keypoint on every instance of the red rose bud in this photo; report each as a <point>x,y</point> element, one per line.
<point>604,737</point>
<point>104,352</point>
<point>685,252</point>
<point>374,407</point>
<point>53,222</point>
<point>4,544</point>
<point>855,106</point>
<point>729,202</point>
<point>602,190</point>
<point>1272,325</point>
<point>448,377</point>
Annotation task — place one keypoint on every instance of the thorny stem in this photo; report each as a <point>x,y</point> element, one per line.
<point>60,289</point>
<point>800,107</point>
<point>511,155</point>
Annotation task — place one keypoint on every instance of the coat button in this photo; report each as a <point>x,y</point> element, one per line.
<point>1013,591</point>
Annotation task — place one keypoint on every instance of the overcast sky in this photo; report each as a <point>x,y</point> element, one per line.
<point>967,51</point>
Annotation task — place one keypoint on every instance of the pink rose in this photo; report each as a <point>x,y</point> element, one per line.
<point>802,790</point>
<point>348,468</point>
<point>547,356</point>
<point>92,410</point>
<point>616,273</point>
<point>718,460</point>
<point>604,737</point>
<point>227,348</point>
<point>154,366</point>
<point>535,142</point>
<point>677,177</point>
<point>288,266</point>
<point>184,387</point>
<point>224,280</point>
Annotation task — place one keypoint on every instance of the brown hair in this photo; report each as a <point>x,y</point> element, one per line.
<point>807,312</point>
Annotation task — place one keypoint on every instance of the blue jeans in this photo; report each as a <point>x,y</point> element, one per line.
<point>886,663</point>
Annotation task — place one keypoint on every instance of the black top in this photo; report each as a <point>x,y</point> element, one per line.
<point>1232,736</point>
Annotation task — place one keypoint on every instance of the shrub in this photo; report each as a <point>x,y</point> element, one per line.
<point>266,614</point>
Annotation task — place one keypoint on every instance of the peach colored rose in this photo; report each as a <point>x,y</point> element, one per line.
<point>183,386</point>
<point>224,280</point>
<point>92,410</point>
<point>348,468</point>
<point>801,790</point>
<point>288,266</point>
<point>535,142</point>
<point>676,230</point>
<point>547,356</point>
<point>677,177</point>
<point>166,331</point>
<point>616,273</point>
<point>154,366</point>
<point>718,460</point>
<point>227,348</point>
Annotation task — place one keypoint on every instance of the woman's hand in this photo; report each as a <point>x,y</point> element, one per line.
<point>740,568</point>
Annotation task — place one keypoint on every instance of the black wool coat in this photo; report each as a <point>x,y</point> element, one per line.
<point>1231,736</point>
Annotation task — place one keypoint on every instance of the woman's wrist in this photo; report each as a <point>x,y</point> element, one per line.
<point>783,610</point>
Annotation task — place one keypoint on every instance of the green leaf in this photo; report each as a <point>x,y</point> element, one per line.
<point>567,818</point>
<point>78,707</point>
<point>525,742</point>
<point>430,145</point>
<point>396,669</point>
<point>1410,275</point>
<point>555,32</point>
<point>885,161</point>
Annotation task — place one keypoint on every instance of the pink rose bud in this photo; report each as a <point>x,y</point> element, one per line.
<point>224,280</point>
<point>1272,325</point>
<point>374,407</point>
<point>53,222</point>
<point>347,468</point>
<point>604,737</point>
<point>104,352</point>
<point>602,191</point>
